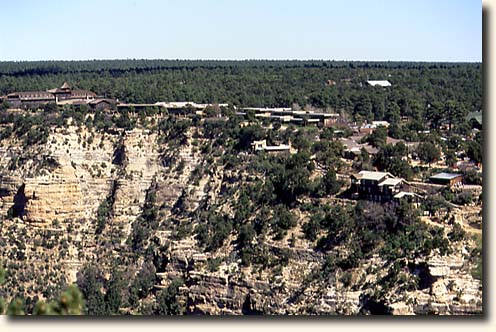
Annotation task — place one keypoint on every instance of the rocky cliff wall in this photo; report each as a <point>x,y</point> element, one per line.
<point>54,191</point>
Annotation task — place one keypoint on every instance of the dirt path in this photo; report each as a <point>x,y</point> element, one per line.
<point>460,218</point>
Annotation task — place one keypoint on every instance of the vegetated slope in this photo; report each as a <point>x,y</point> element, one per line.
<point>153,214</point>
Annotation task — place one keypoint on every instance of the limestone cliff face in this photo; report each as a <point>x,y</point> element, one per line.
<point>9,186</point>
<point>56,197</point>
<point>67,180</point>
<point>85,173</point>
<point>141,165</point>
<point>43,199</point>
<point>453,291</point>
<point>87,157</point>
<point>70,185</point>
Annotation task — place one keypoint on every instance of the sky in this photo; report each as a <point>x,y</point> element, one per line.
<point>369,30</point>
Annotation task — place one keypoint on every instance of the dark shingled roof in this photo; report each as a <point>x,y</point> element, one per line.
<point>102,100</point>
<point>33,96</point>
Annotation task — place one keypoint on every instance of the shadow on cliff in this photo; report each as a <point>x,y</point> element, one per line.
<point>20,200</point>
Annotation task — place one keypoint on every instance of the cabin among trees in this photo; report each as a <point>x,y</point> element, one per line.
<point>381,187</point>
<point>103,104</point>
<point>447,179</point>
<point>274,149</point>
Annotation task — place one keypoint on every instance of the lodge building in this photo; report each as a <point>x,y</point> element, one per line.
<point>381,187</point>
<point>62,95</point>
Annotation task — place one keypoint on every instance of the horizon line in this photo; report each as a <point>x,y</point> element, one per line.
<point>238,60</point>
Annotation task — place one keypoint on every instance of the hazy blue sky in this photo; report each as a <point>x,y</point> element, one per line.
<point>424,30</point>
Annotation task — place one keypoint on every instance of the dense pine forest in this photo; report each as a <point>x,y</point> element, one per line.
<point>334,84</point>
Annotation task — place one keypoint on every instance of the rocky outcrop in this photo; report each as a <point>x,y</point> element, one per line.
<point>57,197</point>
<point>401,309</point>
<point>92,163</point>
<point>454,291</point>
<point>9,187</point>
<point>444,266</point>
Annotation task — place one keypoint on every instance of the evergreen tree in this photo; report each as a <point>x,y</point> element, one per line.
<point>90,282</point>
<point>428,152</point>
<point>168,300</point>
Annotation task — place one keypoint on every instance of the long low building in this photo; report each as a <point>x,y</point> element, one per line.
<point>186,104</point>
<point>63,95</point>
<point>448,179</point>
<point>175,107</point>
<point>286,114</point>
